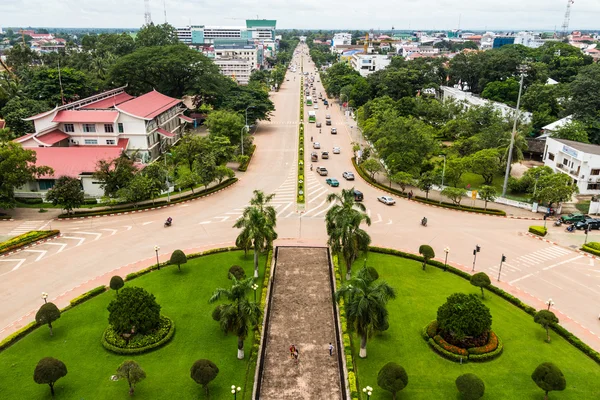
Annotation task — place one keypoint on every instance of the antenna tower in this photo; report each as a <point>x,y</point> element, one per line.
<point>147,16</point>
<point>165,7</point>
<point>565,25</point>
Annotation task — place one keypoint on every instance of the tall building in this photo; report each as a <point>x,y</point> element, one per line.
<point>236,61</point>
<point>255,31</point>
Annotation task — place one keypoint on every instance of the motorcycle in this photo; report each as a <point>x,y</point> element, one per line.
<point>558,222</point>
<point>570,228</point>
<point>168,222</point>
<point>424,221</point>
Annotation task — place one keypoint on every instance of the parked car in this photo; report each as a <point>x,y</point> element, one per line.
<point>322,171</point>
<point>328,116</point>
<point>316,145</point>
<point>316,106</point>
<point>592,223</point>
<point>387,200</point>
<point>318,124</point>
<point>358,196</point>
<point>349,176</point>
<point>336,150</point>
<point>574,217</point>
<point>324,155</point>
<point>332,182</point>
<point>328,122</point>
<point>334,131</point>
<point>314,156</point>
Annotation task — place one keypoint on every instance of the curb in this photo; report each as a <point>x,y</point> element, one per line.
<point>7,219</point>
<point>31,245</point>
<point>541,238</point>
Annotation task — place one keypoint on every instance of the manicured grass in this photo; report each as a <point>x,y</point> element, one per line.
<point>184,298</point>
<point>419,294</point>
<point>476,181</point>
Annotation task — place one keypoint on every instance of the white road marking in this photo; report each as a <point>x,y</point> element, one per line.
<point>128,227</point>
<point>520,279</point>
<point>205,222</point>
<point>284,208</point>
<point>41,252</point>
<point>562,262</point>
<point>325,210</point>
<point>378,219</point>
<point>314,208</point>
<point>110,230</point>
<point>81,240</point>
<point>62,245</point>
<point>16,267</point>
<point>147,223</point>
<point>91,233</point>
<point>389,222</point>
<point>223,219</point>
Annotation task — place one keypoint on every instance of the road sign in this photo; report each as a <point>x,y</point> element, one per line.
<point>474,194</point>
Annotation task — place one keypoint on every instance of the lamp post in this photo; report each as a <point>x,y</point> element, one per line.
<point>522,69</point>
<point>549,303</point>
<point>476,250</point>
<point>443,174</point>
<point>368,391</point>
<point>234,391</point>
<point>156,249</point>
<point>45,297</point>
<point>502,260</point>
<point>246,127</point>
<point>167,177</point>
<point>254,287</point>
<point>446,250</point>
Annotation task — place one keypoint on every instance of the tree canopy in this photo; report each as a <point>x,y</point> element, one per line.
<point>464,315</point>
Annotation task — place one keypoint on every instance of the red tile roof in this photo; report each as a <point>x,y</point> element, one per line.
<point>110,101</point>
<point>53,137</point>
<point>165,133</point>
<point>85,116</point>
<point>186,119</point>
<point>2,123</point>
<point>148,105</point>
<point>73,161</point>
<point>23,138</point>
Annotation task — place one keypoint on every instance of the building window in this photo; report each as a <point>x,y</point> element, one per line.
<point>91,141</point>
<point>109,128</point>
<point>120,125</point>
<point>69,128</point>
<point>593,186</point>
<point>551,156</point>
<point>595,172</point>
<point>89,128</point>
<point>46,184</point>
<point>565,162</point>
<point>110,141</point>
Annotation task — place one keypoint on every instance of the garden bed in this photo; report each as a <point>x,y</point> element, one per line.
<point>244,165</point>
<point>26,239</point>
<point>114,342</point>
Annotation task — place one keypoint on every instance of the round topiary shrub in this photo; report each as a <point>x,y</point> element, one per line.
<point>137,343</point>
<point>464,320</point>
<point>470,386</point>
<point>237,272</point>
<point>134,311</point>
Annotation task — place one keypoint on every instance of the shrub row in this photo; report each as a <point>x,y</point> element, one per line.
<point>491,345</point>
<point>592,248</point>
<point>366,177</point>
<point>450,347</point>
<point>568,336</point>
<point>25,239</point>
<point>538,230</point>
<point>488,356</point>
<point>158,203</point>
<point>86,296</point>
<point>244,165</point>
<point>445,353</point>
<point>114,343</point>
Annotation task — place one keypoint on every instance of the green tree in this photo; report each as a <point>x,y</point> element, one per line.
<point>66,192</point>
<point>585,93</point>
<point>48,370</point>
<point>223,172</point>
<point>135,308</point>
<point>372,166</point>
<point>116,283</point>
<point>427,252</point>
<point>257,223</point>
<point>17,167</point>
<point>44,84</point>
<point>237,272</point>
<point>187,150</point>
<point>555,188</point>
<point>240,314</point>
<point>157,176</point>
<point>505,91</point>
<point>487,193</point>
<point>455,168</point>
<point>131,371</point>
<point>574,130</point>
<point>426,182</point>
<point>114,174</point>
<point>20,57</point>
<point>238,98</point>
<point>464,315</point>
<point>470,386</point>
<point>47,314</point>
<point>366,305</point>
<point>187,178</point>
<point>343,222</point>
<point>393,378</point>
<point>17,109</point>
<point>203,372</point>
<point>156,35</point>
<point>178,257</point>
<point>454,194</point>
<point>226,123</point>
<point>545,318</point>
<point>549,378</point>
<point>403,179</point>
<point>139,188</point>
<point>481,280</point>
<point>486,163</point>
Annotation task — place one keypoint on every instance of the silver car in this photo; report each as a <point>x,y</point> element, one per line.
<point>387,200</point>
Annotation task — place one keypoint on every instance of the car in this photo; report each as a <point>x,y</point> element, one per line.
<point>574,217</point>
<point>358,196</point>
<point>324,155</point>
<point>349,176</point>
<point>325,102</point>
<point>316,106</point>
<point>328,116</point>
<point>332,182</point>
<point>318,124</point>
<point>314,156</point>
<point>316,145</point>
<point>387,200</point>
<point>322,171</point>
<point>590,223</point>
<point>337,150</point>
<point>287,80</point>
<point>328,122</point>
<point>333,131</point>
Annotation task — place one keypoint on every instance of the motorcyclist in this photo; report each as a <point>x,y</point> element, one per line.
<point>424,221</point>
<point>311,167</point>
<point>320,130</point>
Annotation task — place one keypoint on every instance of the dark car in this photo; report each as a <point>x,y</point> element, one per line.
<point>328,122</point>
<point>590,223</point>
<point>358,196</point>
<point>574,217</point>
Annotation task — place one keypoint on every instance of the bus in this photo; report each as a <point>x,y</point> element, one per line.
<point>312,116</point>
<point>308,101</point>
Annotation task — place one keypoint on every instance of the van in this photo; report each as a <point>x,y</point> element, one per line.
<point>358,196</point>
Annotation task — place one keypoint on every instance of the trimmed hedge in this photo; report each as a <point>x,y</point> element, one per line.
<point>86,296</point>
<point>445,353</point>
<point>491,345</point>
<point>488,352</point>
<point>25,239</point>
<point>111,339</point>
<point>538,230</point>
<point>16,336</point>
<point>592,248</point>
<point>244,166</point>
<point>489,211</point>
<point>450,347</point>
<point>159,203</point>
<point>488,356</point>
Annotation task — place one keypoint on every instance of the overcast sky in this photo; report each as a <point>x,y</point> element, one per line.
<point>310,14</point>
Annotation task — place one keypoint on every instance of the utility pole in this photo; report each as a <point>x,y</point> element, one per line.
<point>513,134</point>
<point>147,16</point>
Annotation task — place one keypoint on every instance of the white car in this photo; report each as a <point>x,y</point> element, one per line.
<point>316,145</point>
<point>336,150</point>
<point>316,107</point>
<point>387,200</point>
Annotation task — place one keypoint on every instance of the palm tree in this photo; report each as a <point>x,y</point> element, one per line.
<point>258,226</point>
<point>366,300</point>
<point>240,314</point>
<point>343,227</point>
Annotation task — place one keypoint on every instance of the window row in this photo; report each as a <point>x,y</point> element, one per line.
<point>95,141</point>
<point>91,128</point>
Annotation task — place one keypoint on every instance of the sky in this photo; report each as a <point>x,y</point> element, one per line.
<point>308,14</point>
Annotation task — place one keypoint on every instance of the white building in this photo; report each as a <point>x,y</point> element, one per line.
<point>581,161</point>
<point>237,62</point>
<point>254,30</point>
<point>529,39</point>
<point>341,39</point>
<point>366,64</point>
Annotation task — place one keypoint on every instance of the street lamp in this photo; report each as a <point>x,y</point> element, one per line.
<point>246,127</point>
<point>368,391</point>
<point>446,250</point>
<point>167,177</point>
<point>234,391</point>
<point>45,297</point>
<point>549,303</point>
<point>476,250</point>
<point>443,174</point>
<point>522,69</point>
<point>502,261</point>
<point>254,287</point>
<point>156,249</point>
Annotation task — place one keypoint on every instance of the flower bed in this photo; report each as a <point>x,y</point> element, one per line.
<point>244,165</point>
<point>25,239</point>
<point>114,342</point>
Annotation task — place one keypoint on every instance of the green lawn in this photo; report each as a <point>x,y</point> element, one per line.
<point>419,294</point>
<point>476,181</point>
<point>183,297</point>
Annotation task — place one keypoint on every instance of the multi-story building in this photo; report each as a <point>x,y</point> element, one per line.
<point>255,31</point>
<point>72,138</point>
<point>340,39</point>
<point>581,161</point>
<point>366,64</point>
<point>529,39</point>
<point>237,62</point>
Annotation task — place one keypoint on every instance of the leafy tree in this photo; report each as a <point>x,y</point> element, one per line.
<point>203,372</point>
<point>72,85</point>
<point>555,188</point>
<point>187,149</point>
<point>237,272</point>
<point>226,123</point>
<point>66,192</point>
<point>17,167</point>
<point>343,222</point>
<point>585,98</point>
<point>486,163</point>
<point>487,193</point>
<point>17,109</point>
<point>464,315</point>
<point>134,307</point>
<point>178,257</point>
<point>372,166</point>
<point>114,174</point>
<point>258,223</point>
<point>116,283</point>
<point>237,316</point>
<point>505,91</point>
<point>470,386</point>
<point>48,370</point>
<point>403,179</point>
<point>427,252</point>
<point>131,371</point>
<point>481,280</point>
<point>393,378</point>
<point>238,98</point>
<point>187,178</point>
<point>426,182</point>
<point>546,102</point>
<point>575,130</point>
<point>157,174</point>
<point>549,378</point>
<point>222,172</point>
<point>139,188</point>
<point>545,318</point>
<point>156,35</point>
<point>20,57</point>
<point>366,301</point>
<point>454,194</point>
<point>47,314</point>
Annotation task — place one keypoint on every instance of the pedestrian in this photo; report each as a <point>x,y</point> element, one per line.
<point>296,354</point>
<point>330,349</point>
<point>311,139</point>
<point>410,195</point>
<point>292,351</point>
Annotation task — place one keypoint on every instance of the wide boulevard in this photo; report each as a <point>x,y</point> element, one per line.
<point>91,250</point>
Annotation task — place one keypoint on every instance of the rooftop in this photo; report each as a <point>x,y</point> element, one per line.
<point>86,116</point>
<point>148,105</point>
<point>110,101</point>
<point>584,147</point>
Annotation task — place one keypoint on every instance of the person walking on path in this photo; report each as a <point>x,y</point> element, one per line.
<point>330,349</point>
<point>296,354</point>
<point>292,351</point>
<point>410,195</point>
